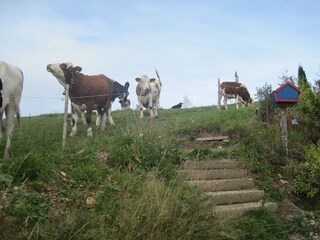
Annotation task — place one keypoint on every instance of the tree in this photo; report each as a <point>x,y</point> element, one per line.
<point>186,101</point>
<point>316,87</point>
<point>308,107</point>
<point>286,78</point>
<point>265,105</point>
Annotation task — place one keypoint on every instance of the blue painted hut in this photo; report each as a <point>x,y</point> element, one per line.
<point>286,95</point>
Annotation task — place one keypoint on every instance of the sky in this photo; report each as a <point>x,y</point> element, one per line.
<point>191,43</point>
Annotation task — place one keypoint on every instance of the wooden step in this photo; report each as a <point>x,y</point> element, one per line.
<point>213,174</point>
<point>224,184</point>
<point>232,197</point>
<point>236,210</point>
<point>210,164</point>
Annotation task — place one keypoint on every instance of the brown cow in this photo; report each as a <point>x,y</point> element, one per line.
<point>87,92</point>
<point>236,90</point>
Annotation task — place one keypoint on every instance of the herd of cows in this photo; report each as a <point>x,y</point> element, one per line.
<point>94,92</point>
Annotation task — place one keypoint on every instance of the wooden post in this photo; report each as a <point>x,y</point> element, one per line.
<point>219,96</point>
<point>284,130</point>
<point>65,118</point>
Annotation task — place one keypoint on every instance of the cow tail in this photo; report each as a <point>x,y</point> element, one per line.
<point>158,75</point>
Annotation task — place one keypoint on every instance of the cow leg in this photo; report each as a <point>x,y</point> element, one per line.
<point>10,113</point>
<point>141,112</point>
<point>151,107</point>
<point>140,108</point>
<point>99,118</point>
<point>1,126</point>
<point>88,119</point>
<point>102,120</point>
<point>151,112</point>
<point>156,107</point>
<point>74,122</point>
<point>83,117</point>
<point>109,115</point>
<point>237,102</point>
<point>225,102</point>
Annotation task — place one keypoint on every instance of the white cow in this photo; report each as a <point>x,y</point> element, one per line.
<point>11,84</point>
<point>148,93</point>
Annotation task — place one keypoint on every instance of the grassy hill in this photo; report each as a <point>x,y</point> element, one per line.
<point>122,183</point>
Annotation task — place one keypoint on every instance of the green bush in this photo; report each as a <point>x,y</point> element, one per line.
<point>313,159</point>
<point>309,107</point>
<point>307,181</point>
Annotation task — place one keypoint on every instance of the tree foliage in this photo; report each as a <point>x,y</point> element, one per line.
<point>265,105</point>
<point>309,107</point>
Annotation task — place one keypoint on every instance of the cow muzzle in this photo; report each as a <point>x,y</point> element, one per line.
<point>145,92</point>
<point>49,69</point>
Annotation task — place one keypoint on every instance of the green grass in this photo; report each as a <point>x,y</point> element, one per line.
<point>122,183</point>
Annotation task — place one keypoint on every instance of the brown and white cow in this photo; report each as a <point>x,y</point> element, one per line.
<point>236,90</point>
<point>11,85</point>
<point>148,93</point>
<point>87,93</point>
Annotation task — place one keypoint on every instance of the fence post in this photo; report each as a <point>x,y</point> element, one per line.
<point>284,130</point>
<point>65,117</point>
<point>219,96</point>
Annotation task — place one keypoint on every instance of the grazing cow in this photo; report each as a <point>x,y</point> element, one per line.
<point>236,90</point>
<point>177,105</point>
<point>148,93</point>
<point>125,104</point>
<point>11,85</point>
<point>88,93</point>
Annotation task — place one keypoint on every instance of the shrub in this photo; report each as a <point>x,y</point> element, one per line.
<point>309,107</point>
<point>307,182</point>
<point>263,94</point>
<point>313,159</point>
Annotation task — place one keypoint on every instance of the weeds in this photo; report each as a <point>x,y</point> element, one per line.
<point>128,173</point>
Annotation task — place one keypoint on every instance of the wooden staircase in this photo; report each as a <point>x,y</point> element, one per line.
<point>228,187</point>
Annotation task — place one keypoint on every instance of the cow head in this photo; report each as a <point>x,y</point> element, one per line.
<point>124,93</point>
<point>64,72</point>
<point>58,70</point>
<point>244,96</point>
<point>121,92</point>
<point>143,87</point>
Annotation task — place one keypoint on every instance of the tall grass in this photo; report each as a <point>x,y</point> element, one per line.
<point>122,183</point>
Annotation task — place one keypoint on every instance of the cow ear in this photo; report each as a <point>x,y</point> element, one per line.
<point>152,79</point>
<point>77,69</point>
<point>138,79</point>
<point>63,66</point>
<point>126,85</point>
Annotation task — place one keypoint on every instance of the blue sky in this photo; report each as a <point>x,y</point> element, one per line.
<point>192,44</point>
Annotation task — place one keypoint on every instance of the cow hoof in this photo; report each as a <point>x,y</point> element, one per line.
<point>89,132</point>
